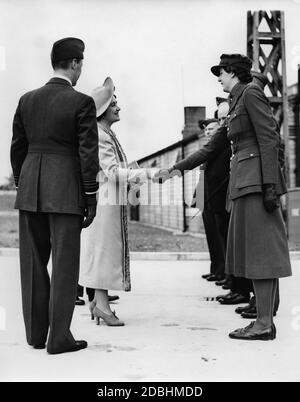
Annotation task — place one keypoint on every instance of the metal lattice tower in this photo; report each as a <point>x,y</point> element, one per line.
<point>266,48</point>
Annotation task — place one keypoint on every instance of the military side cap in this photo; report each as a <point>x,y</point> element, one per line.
<point>232,60</point>
<point>206,122</point>
<point>260,76</point>
<point>67,48</point>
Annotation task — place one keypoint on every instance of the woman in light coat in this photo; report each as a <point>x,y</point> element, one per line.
<point>104,261</point>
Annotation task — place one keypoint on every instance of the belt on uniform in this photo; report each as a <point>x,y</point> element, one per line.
<point>237,145</point>
<point>48,149</point>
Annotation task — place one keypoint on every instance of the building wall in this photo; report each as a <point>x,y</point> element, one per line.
<point>292,90</point>
<point>155,208</point>
<point>162,205</point>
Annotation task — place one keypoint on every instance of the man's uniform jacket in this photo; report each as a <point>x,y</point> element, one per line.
<point>54,150</point>
<point>216,154</point>
<point>54,156</point>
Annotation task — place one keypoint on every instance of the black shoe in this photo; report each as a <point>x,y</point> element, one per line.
<point>79,302</point>
<point>213,278</point>
<point>220,297</point>
<point>248,307</point>
<point>113,298</point>
<point>235,299</point>
<point>225,296</point>
<point>39,346</point>
<point>227,286</point>
<point>243,309</point>
<point>243,333</point>
<point>252,314</point>
<point>221,282</point>
<point>204,276</point>
<point>77,346</point>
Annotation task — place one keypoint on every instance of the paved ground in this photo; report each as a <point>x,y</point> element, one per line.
<point>172,333</point>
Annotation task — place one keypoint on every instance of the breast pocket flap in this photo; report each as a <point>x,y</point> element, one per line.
<point>248,170</point>
<point>248,155</point>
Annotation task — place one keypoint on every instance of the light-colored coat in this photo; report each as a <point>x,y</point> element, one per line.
<point>104,245</point>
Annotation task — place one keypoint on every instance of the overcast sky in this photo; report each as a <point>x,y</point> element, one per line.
<point>158,53</point>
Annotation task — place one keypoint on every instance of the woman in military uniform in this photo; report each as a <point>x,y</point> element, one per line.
<point>257,245</point>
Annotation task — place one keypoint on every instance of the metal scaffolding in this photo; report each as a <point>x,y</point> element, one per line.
<point>266,47</point>
<point>297,130</point>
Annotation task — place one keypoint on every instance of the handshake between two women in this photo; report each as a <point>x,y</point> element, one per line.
<point>159,176</point>
<point>163,175</point>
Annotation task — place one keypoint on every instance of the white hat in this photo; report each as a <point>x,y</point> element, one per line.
<point>103,96</point>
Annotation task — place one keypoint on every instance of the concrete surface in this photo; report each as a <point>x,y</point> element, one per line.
<point>172,333</point>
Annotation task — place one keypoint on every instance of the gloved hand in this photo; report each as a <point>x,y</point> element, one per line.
<point>141,178</point>
<point>90,213</point>
<point>161,176</point>
<point>270,198</point>
<point>165,174</point>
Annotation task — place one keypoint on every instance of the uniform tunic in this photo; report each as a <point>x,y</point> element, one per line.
<point>257,244</point>
<point>54,157</point>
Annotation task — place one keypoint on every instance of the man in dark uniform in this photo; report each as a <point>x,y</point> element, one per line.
<point>216,155</point>
<point>54,157</point>
<point>213,238</point>
<point>214,214</point>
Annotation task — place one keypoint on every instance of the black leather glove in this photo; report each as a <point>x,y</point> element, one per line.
<point>90,213</point>
<point>270,198</point>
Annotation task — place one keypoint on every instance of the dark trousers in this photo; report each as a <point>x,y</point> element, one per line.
<point>216,229</point>
<point>49,305</point>
<point>240,285</point>
<point>89,291</point>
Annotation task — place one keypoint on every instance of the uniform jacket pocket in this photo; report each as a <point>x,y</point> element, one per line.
<point>248,170</point>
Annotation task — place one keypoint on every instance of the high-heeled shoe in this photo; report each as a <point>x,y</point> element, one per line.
<point>110,319</point>
<point>91,308</point>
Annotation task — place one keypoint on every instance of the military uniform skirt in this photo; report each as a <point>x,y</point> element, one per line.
<point>257,245</point>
